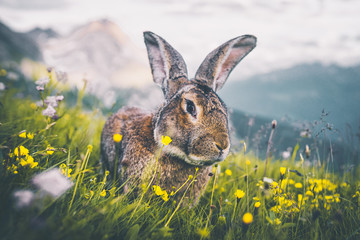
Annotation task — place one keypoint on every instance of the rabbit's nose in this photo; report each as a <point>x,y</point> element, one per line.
<point>222,142</point>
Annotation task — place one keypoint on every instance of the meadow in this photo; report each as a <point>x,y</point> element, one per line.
<point>52,186</point>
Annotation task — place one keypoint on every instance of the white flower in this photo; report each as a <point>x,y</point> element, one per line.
<point>51,101</point>
<point>286,154</point>
<point>39,103</point>
<point>52,182</point>
<point>59,98</point>
<point>268,180</point>
<point>23,198</point>
<point>2,86</point>
<point>49,111</point>
<point>40,88</point>
<point>42,81</point>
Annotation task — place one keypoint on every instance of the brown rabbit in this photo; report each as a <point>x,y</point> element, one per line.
<point>193,116</point>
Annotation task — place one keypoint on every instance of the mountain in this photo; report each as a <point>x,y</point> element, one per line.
<point>14,46</point>
<point>101,53</point>
<point>41,36</point>
<point>301,93</point>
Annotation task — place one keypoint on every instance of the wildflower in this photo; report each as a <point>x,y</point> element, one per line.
<point>248,162</point>
<point>117,137</point>
<point>28,161</point>
<point>298,185</point>
<point>49,150</point>
<point>49,111</point>
<point>228,172</point>
<point>248,218</point>
<point>90,148</point>
<point>286,154</point>
<point>277,221</point>
<point>162,193</point>
<point>291,182</point>
<point>191,177</point>
<point>103,193</point>
<point>52,182</point>
<point>239,194</point>
<point>309,193</point>
<point>165,140</point>
<point>30,135</point>
<point>165,197</point>
<point>23,198</point>
<point>13,168</point>
<point>356,194</point>
<point>42,81</point>
<point>65,169</point>
<point>157,190</point>
<point>21,151</point>
<point>282,170</point>
<point>33,106</point>
<point>203,232</point>
<point>22,134</point>
<point>257,204</point>
<point>256,199</point>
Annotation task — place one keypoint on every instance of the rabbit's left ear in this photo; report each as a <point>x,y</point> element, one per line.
<point>167,65</point>
<point>215,69</point>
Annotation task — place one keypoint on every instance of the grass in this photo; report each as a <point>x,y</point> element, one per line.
<point>298,202</point>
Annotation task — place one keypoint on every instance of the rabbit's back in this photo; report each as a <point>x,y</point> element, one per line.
<point>136,147</point>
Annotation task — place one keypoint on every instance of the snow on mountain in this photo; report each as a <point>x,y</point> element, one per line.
<point>100,53</point>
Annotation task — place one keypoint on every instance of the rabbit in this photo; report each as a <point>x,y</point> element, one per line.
<point>193,116</point>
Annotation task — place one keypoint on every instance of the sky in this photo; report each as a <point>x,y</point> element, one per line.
<point>289,32</point>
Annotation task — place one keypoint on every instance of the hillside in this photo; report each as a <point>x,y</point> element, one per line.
<point>15,46</point>
<point>301,93</point>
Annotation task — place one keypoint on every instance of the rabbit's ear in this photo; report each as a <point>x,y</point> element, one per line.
<point>218,64</point>
<point>167,65</point>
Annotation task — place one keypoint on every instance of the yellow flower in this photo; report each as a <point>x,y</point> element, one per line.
<point>90,148</point>
<point>256,199</point>
<point>239,194</point>
<point>23,134</point>
<point>203,232</point>
<point>49,150</point>
<point>291,182</point>
<point>309,193</point>
<point>13,169</point>
<point>228,172</point>
<point>165,140</point>
<point>277,221</point>
<point>248,218</point>
<point>248,162</point>
<point>103,193</point>
<point>28,161</point>
<point>33,106</point>
<point>282,170</point>
<point>356,194</point>
<point>30,135</point>
<point>257,204</point>
<point>21,151</point>
<point>298,185</point>
<point>65,169</point>
<point>117,137</point>
<point>157,190</point>
<point>165,196</point>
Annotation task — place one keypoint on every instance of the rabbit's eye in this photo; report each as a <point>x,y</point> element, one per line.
<point>190,108</point>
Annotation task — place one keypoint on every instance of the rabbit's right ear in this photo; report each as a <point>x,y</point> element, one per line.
<point>218,64</point>
<point>167,65</point>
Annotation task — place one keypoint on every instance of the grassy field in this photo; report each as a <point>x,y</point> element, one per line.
<point>52,186</point>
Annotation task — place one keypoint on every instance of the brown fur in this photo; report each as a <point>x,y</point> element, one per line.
<point>193,116</point>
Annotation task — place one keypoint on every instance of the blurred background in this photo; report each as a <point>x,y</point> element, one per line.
<point>304,72</point>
